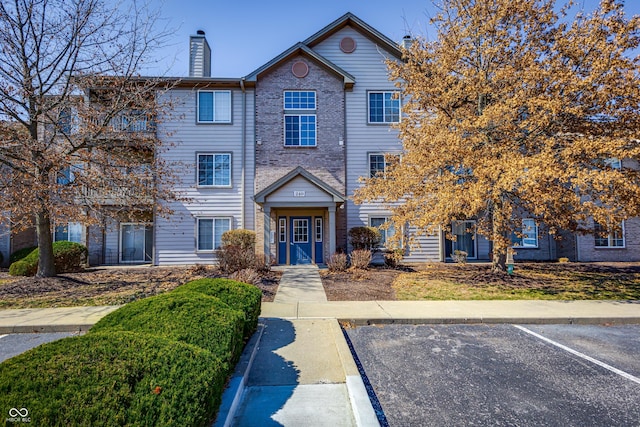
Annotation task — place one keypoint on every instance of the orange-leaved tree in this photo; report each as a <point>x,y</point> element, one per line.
<point>517,109</point>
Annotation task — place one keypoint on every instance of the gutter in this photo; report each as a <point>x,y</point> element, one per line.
<point>244,154</point>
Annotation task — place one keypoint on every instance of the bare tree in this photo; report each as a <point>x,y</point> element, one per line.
<point>77,130</point>
<point>517,110</point>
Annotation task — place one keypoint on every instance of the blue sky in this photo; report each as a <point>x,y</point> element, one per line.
<point>244,35</point>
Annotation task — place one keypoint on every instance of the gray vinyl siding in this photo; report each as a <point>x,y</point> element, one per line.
<point>367,65</point>
<point>175,235</point>
<point>423,248</point>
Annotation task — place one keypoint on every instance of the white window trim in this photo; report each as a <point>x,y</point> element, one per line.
<point>521,244</point>
<point>318,224</point>
<point>282,230</point>
<point>197,234</point>
<point>315,100</point>
<point>610,238</point>
<point>214,121</point>
<point>387,218</point>
<point>382,123</point>
<point>198,185</point>
<point>68,224</point>
<point>315,141</point>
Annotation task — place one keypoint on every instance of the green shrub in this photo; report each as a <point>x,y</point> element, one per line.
<point>22,268</point>
<point>189,317</point>
<point>364,237</point>
<point>21,253</point>
<point>239,296</point>
<point>114,379</point>
<point>67,257</point>
<point>245,239</point>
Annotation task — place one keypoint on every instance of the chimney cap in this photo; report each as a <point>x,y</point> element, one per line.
<point>200,32</point>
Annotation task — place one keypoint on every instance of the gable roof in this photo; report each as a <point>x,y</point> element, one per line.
<point>349,19</point>
<point>302,49</point>
<point>261,196</point>
<point>306,47</point>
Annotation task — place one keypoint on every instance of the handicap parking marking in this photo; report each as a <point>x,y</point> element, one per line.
<point>581,355</point>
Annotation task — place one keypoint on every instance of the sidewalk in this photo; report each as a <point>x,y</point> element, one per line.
<point>303,372</point>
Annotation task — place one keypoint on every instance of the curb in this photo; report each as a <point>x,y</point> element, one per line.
<point>363,412</point>
<point>234,392</point>
<point>494,320</point>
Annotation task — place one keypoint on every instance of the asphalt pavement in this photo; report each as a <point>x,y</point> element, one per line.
<point>502,375</point>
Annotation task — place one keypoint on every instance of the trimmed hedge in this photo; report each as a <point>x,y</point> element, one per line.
<point>67,257</point>
<point>21,253</point>
<point>364,237</point>
<point>114,379</point>
<point>192,318</point>
<point>239,296</point>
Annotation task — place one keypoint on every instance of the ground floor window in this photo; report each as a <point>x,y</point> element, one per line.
<point>210,232</point>
<point>71,232</point>
<point>136,242</point>
<point>378,222</point>
<point>529,233</point>
<point>612,239</point>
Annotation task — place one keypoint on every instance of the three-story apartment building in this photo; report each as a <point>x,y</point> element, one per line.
<point>281,150</point>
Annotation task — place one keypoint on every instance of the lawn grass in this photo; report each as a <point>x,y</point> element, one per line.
<point>529,281</point>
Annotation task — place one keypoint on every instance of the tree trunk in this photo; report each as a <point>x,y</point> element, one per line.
<point>499,262</point>
<point>500,240</point>
<point>46,266</point>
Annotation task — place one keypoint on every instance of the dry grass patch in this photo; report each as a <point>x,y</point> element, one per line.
<point>548,281</point>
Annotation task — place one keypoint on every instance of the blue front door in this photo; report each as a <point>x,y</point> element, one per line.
<point>300,240</point>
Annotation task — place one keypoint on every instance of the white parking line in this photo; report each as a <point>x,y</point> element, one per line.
<point>2,336</point>
<point>581,355</point>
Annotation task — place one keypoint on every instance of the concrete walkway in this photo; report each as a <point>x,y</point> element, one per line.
<point>303,373</point>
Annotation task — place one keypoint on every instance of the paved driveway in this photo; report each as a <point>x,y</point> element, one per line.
<point>503,375</point>
<point>14,344</point>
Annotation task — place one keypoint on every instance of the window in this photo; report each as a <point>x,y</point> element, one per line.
<point>609,239</point>
<point>529,234</point>
<point>210,232</point>
<point>300,231</point>
<point>376,165</point>
<point>299,129</point>
<point>68,175</point>
<point>71,232</point>
<point>378,222</point>
<point>282,230</point>
<point>318,229</point>
<point>214,170</point>
<point>214,106</point>
<point>613,163</point>
<point>384,107</point>
<point>299,100</point>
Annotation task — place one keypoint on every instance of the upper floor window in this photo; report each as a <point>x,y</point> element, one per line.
<point>214,170</point>
<point>376,165</point>
<point>299,129</point>
<point>214,106</point>
<point>299,100</point>
<point>609,239</point>
<point>384,107</point>
<point>613,163</point>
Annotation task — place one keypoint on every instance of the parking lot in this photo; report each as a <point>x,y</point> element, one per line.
<point>502,375</point>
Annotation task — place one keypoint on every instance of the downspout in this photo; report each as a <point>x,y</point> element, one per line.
<point>244,153</point>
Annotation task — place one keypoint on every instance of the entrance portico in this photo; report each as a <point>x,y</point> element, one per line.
<point>298,218</point>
